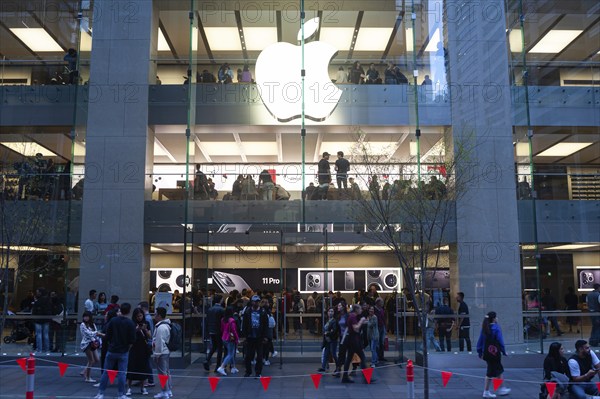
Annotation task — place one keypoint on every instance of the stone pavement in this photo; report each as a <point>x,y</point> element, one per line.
<point>292,381</point>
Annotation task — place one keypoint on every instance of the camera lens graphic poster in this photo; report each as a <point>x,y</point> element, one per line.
<point>348,280</point>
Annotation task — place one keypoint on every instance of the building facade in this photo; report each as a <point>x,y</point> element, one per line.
<point>498,100</point>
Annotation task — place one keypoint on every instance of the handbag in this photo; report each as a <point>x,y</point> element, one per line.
<point>95,344</point>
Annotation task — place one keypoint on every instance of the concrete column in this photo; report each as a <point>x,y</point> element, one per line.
<point>487,268</point>
<point>119,151</point>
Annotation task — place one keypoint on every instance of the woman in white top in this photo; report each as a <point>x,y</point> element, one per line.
<point>342,76</point>
<point>90,341</point>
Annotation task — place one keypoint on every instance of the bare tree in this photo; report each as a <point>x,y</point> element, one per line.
<point>409,215</point>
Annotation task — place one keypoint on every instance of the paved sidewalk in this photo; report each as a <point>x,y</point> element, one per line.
<point>293,381</point>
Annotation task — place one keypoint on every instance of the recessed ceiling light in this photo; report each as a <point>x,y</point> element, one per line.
<point>338,248</point>
<point>162,42</point>
<point>516,41</point>
<point>29,149</point>
<point>372,39</point>
<point>257,39</point>
<point>223,39</point>
<point>573,246</point>
<point>527,247</point>
<point>563,149</point>
<point>555,41</point>
<point>37,39</point>
<point>374,248</point>
<point>340,38</point>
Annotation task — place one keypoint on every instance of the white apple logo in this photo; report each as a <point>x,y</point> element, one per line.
<point>279,81</point>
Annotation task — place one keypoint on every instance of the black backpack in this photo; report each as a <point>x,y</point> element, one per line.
<point>174,343</point>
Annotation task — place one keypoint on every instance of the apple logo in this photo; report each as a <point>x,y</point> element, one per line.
<point>280,83</point>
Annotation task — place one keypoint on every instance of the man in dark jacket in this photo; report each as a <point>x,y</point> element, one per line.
<point>213,326</point>
<point>42,306</point>
<point>120,333</point>
<point>255,323</point>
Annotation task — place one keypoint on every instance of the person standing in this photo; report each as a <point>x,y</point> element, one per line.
<point>230,338</point>
<point>42,306</point>
<point>138,367</point>
<point>120,333</point>
<point>445,325</point>
<point>324,172</point>
<point>342,167</point>
<point>90,304</point>
<point>572,302</point>
<point>464,324</point>
<point>373,335</point>
<point>593,303</point>
<point>380,313</point>
<point>490,347</point>
<point>265,182</point>
<point>90,342</point>
<point>254,329</point>
<point>331,332</point>
<point>160,350</point>
<point>71,59</point>
<point>213,325</point>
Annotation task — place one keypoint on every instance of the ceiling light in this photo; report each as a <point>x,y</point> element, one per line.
<point>526,247</point>
<point>522,149</point>
<point>555,41</point>
<point>37,39</point>
<point>443,248</point>
<point>257,39</point>
<point>375,248</point>
<point>372,39</point>
<point>29,149</point>
<point>515,40</point>
<point>79,149</point>
<point>409,39</point>
<point>413,149</point>
<point>259,248</point>
<point>85,45</point>
<point>573,246</point>
<point>340,38</point>
<point>162,42</point>
<point>338,248</point>
<point>436,38</point>
<point>529,267</point>
<point>154,249</point>
<point>219,248</point>
<point>24,248</point>
<point>223,39</point>
<point>563,149</point>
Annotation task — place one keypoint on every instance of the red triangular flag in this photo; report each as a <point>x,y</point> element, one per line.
<point>22,362</point>
<point>368,373</point>
<point>163,378</point>
<point>316,379</point>
<point>265,381</point>
<point>598,385</point>
<point>112,374</point>
<point>446,377</point>
<point>213,382</point>
<point>551,386</point>
<point>62,368</point>
<point>497,382</point>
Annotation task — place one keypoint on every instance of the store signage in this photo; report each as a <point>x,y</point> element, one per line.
<point>280,83</point>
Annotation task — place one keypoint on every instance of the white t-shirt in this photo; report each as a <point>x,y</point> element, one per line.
<point>89,305</point>
<point>574,366</point>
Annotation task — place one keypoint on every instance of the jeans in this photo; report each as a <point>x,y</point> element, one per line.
<point>579,390</point>
<point>42,337</point>
<point>445,335</point>
<point>267,194</point>
<point>329,349</point>
<point>354,347</point>
<point>431,341</point>
<point>115,361</point>
<point>342,181</point>
<point>230,357</point>
<point>162,368</point>
<point>374,344</point>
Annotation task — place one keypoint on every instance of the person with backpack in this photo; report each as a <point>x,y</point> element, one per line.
<point>268,347</point>
<point>490,347</point>
<point>161,350</point>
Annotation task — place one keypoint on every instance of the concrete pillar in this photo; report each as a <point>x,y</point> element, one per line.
<point>487,267</point>
<point>119,151</point>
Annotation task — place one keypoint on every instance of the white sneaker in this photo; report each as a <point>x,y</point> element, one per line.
<point>161,395</point>
<point>128,393</point>
<point>488,394</point>
<point>221,371</point>
<point>99,396</point>
<point>234,371</point>
<point>169,393</point>
<point>144,391</point>
<point>253,362</point>
<point>275,354</point>
<point>96,385</point>
<point>503,391</point>
<point>267,363</point>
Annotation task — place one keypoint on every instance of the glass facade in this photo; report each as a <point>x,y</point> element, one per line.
<point>201,129</point>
